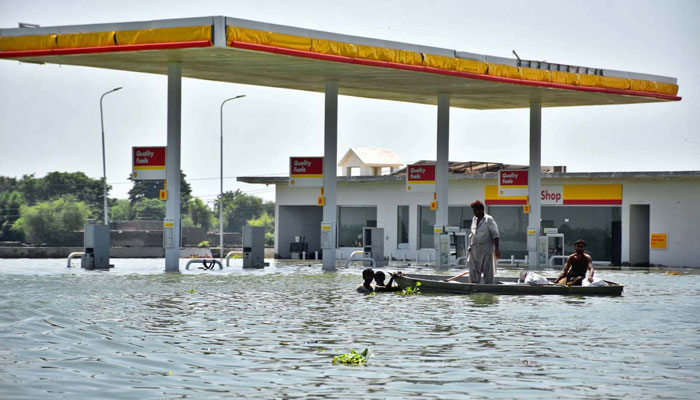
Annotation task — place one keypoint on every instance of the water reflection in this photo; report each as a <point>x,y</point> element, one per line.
<point>483,299</point>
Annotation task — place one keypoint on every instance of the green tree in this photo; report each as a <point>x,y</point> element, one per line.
<point>238,209</point>
<point>10,208</point>
<point>32,189</point>
<point>8,184</point>
<point>59,184</point>
<point>267,222</point>
<point>200,213</point>
<point>51,222</point>
<point>77,184</point>
<point>146,208</point>
<point>151,190</point>
<point>120,210</point>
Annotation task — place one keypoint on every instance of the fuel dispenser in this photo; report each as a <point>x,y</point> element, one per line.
<point>96,247</point>
<point>550,243</point>
<point>253,247</point>
<point>450,245</point>
<point>555,247</point>
<point>326,238</point>
<point>373,244</point>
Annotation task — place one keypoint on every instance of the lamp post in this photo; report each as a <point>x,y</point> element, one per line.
<point>221,181</point>
<point>104,163</point>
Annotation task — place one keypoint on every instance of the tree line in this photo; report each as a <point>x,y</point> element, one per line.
<point>46,210</point>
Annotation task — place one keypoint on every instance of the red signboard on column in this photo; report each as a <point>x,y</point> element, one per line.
<point>512,183</point>
<point>148,163</point>
<point>306,171</point>
<point>420,178</point>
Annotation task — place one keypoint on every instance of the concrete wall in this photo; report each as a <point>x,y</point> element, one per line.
<point>674,205</point>
<point>674,209</point>
<point>63,252</point>
<point>139,226</point>
<point>298,221</point>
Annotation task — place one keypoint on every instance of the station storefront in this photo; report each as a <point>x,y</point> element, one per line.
<point>588,212</point>
<point>626,218</point>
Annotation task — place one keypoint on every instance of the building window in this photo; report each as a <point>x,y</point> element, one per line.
<point>402,226</point>
<point>596,225</point>
<point>460,216</point>
<point>426,221</point>
<point>351,220</point>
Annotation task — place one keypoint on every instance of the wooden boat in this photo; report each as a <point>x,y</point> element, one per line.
<point>503,285</point>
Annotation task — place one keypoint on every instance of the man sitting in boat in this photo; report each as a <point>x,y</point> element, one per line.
<point>577,264</point>
<point>379,286</point>
<point>483,246</point>
<point>368,277</point>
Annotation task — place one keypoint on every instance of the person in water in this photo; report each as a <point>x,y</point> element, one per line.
<point>379,283</point>
<point>576,266</point>
<point>368,277</point>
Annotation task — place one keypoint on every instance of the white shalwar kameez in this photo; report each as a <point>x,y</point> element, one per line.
<point>481,249</point>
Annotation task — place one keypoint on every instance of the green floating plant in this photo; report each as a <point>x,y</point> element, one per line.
<point>352,358</point>
<point>410,291</point>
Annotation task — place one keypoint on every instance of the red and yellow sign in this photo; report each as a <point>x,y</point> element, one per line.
<point>148,163</point>
<point>658,241</point>
<point>512,183</point>
<point>561,195</point>
<point>163,194</point>
<point>306,171</point>
<point>420,178</point>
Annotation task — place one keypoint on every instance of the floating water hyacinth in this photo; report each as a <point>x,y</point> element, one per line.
<point>352,358</point>
<point>410,291</point>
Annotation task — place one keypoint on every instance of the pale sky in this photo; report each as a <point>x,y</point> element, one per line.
<point>50,120</point>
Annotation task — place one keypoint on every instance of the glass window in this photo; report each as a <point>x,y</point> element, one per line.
<point>460,216</point>
<point>595,225</point>
<point>512,228</point>
<point>402,225</point>
<point>592,224</point>
<point>351,220</point>
<point>426,221</point>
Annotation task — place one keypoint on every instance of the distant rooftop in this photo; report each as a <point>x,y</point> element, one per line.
<point>369,161</point>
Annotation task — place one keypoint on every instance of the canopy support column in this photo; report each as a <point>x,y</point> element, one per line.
<point>330,181</point>
<point>442,165</point>
<point>172,165</point>
<point>534,177</point>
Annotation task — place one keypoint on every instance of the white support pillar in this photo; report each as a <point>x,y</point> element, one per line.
<point>172,164</point>
<point>534,177</point>
<point>442,165</point>
<point>330,181</point>
<point>443,150</point>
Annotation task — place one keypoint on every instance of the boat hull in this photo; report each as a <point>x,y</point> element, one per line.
<point>505,285</point>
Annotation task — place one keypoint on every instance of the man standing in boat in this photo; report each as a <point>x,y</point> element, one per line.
<point>483,246</point>
<point>576,266</point>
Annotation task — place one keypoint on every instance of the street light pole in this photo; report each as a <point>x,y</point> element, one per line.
<point>221,181</point>
<point>104,163</point>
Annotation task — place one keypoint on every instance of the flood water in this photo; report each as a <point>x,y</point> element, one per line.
<point>135,332</point>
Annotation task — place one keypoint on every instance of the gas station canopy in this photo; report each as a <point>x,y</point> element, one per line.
<point>254,53</point>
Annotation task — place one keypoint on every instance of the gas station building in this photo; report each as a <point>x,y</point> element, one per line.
<point>623,216</point>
